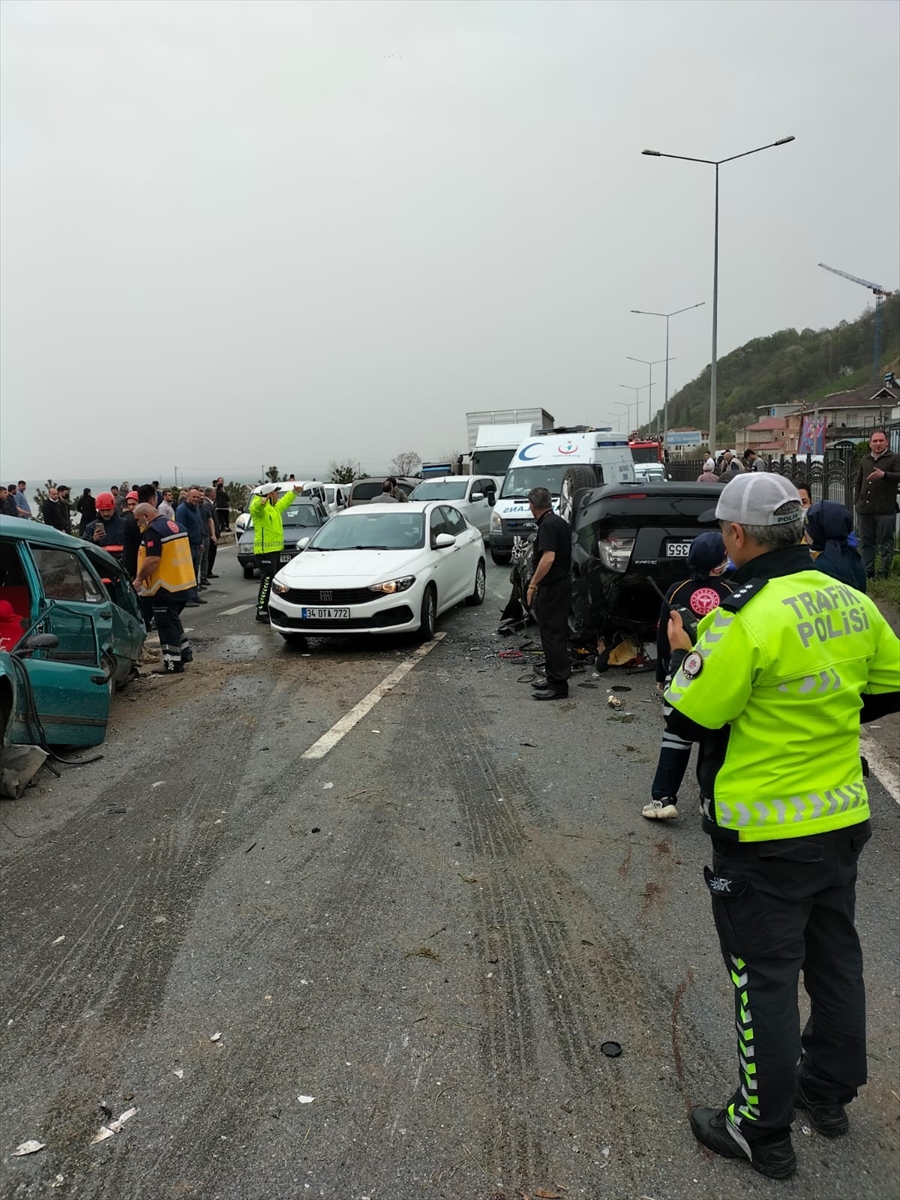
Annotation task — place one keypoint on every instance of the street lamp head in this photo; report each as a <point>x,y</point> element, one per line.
<point>654,153</point>
<point>780,142</point>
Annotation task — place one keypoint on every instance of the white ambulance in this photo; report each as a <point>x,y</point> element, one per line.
<point>563,462</point>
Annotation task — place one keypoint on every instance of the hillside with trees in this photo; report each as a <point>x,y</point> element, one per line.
<point>788,367</point>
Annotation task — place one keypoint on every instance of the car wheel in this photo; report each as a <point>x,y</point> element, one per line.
<point>574,481</point>
<point>428,617</point>
<point>501,557</point>
<point>477,596</point>
<point>296,641</point>
<point>248,572</point>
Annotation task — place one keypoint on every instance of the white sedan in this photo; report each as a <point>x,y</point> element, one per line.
<point>380,568</point>
<point>473,495</point>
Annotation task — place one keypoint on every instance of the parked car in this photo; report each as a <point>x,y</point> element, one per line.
<point>300,521</point>
<point>61,586</point>
<point>336,496</point>
<point>380,568</point>
<point>368,490</point>
<point>473,495</point>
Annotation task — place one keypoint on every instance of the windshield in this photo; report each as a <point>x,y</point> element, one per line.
<point>303,514</point>
<point>520,480</point>
<point>491,462</point>
<point>360,530</point>
<point>645,453</point>
<point>437,490</point>
<point>368,490</point>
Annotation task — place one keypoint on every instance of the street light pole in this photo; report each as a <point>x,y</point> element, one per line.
<point>713,162</point>
<point>645,313</point>
<point>636,401</point>
<point>651,365</point>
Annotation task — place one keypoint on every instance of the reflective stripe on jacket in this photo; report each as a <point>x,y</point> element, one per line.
<point>779,672</point>
<point>268,528</point>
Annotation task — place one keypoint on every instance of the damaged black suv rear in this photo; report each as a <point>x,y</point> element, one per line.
<point>623,534</point>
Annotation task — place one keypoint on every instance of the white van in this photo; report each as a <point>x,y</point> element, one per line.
<point>562,462</point>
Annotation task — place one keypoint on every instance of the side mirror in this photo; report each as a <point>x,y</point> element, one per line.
<point>37,641</point>
<point>492,499</point>
<point>443,540</point>
<point>302,544</point>
<point>477,496</point>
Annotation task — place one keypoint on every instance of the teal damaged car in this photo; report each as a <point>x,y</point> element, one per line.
<point>82,598</point>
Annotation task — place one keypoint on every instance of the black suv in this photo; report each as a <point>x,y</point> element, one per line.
<point>622,535</point>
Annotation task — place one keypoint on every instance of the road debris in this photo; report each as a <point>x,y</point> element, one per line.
<point>58,1180</point>
<point>160,920</point>
<point>306,1099</point>
<point>215,1037</point>
<point>424,952</point>
<point>29,1147</point>
<point>326,786</point>
<point>178,1072</point>
<point>61,938</point>
<point>159,783</point>
<point>611,1049</point>
<point>114,1127</point>
<point>614,702</point>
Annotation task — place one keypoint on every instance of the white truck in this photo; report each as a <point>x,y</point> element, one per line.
<point>494,447</point>
<point>563,462</point>
<point>535,418</point>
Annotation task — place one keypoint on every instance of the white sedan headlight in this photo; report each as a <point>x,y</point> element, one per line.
<point>391,586</point>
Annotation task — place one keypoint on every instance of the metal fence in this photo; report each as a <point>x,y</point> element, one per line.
<point>831,479</point>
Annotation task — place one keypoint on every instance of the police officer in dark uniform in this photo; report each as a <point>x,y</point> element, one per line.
<point>549,594</point>
<point>774,691</point>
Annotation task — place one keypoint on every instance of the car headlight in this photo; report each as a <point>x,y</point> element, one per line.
<point>391,586</point>
<point>496,521</point>
<point>280,589</point>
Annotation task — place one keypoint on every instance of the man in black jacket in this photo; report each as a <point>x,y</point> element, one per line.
<point>7,504</point>
<point>875,493</point>
<point>55,512</point>
<point>549,594</point>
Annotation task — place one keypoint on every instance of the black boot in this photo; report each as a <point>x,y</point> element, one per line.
<point>830,1120</point>
<point>773,1157</point>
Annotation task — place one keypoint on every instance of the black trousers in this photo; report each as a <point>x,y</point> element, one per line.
<point>268,564</point>
<point>673,761</point>
<point>211,559</point>
<point>551,607</point>
<point>173,641</point>
<point>224,516</point>
<point>780,908</point>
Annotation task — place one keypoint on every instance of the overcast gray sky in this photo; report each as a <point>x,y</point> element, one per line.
<point>236,233</point>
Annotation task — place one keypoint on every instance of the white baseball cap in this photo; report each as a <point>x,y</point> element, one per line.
<point>753,499</point>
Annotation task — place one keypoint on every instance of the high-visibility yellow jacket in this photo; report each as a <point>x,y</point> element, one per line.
<point>774,690</point>
<point>268,527</point>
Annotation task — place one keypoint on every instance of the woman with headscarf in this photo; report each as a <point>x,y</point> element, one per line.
<point>695,597</point>
<point>829,531</point>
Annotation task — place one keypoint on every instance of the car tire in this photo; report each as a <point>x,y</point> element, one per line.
<point>501,557</point>
<point>249,572</point>
<point>576,479</point>
<point>428,617</point>
<point>296,641</point>
<point>477,596</point>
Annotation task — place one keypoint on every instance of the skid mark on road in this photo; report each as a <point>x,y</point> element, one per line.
<point>342,727</point>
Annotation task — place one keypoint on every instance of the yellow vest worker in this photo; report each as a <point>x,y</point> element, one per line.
<point>774,691</point>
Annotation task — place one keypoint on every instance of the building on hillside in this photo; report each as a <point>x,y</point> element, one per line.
<point>853,415</point>
<point>771,435</point>
<point>684,442</point>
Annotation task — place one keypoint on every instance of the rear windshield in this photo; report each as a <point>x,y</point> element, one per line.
<point>365,491</point>
<point>435,490</point>
<point>645,454</point>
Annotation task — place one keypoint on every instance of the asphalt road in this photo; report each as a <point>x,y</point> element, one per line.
<point>430,931</point>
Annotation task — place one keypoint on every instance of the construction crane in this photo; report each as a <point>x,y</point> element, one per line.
<point>879,293</point>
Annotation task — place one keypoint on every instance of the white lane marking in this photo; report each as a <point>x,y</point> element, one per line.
<point>880,765</point>
<point>330,739</point>
<point>229,612</point>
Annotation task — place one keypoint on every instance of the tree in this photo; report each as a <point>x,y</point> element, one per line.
<point>406,463</point>
<point>344,472</point>
<point>273,474</point>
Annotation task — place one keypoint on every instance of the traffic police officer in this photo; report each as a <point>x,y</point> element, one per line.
<point>266,508</point>
<point>774,691</point>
